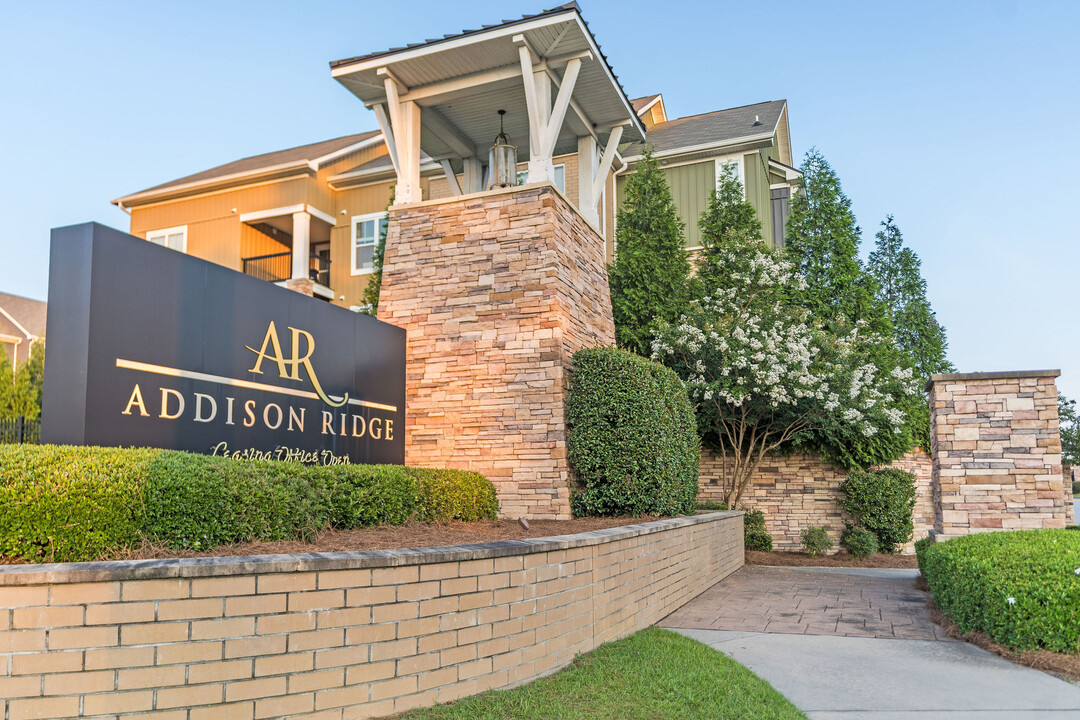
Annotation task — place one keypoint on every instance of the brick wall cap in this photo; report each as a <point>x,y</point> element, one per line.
<point>220,566</point>
<point>1006,375</point>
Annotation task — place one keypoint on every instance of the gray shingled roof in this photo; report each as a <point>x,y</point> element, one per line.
<point>27,312</point>
<point>714,127</point>
<point>641,102</point>
<point>303,153</point>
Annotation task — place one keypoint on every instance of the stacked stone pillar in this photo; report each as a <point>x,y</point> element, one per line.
<point>496,291</point>
<point>997,452</point>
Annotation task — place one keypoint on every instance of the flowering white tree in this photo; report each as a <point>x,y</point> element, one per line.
<point>765,375</point>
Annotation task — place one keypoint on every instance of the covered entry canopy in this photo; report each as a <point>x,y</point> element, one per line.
<point>442,97</point>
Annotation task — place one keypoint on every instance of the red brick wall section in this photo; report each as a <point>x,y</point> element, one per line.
<point>799,491</point>
<point>336,636</point>
<point>496,292</point>
<point>998,452</point>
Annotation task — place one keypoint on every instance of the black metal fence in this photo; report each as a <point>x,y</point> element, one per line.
<point>278,267</point>
<point>20,430</point>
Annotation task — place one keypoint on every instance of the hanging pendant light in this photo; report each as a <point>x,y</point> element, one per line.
<point>502,160</point>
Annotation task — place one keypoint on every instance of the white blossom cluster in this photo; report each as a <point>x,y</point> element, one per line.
<point>743,349</point>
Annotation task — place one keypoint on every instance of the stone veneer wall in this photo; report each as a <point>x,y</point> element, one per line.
<point>337,635</point>
<point>496,291</point>
<point>998,452</point>
<point>800,491</point>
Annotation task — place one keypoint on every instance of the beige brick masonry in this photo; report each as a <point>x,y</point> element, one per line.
<point>496,292</point>
<point>338,635</point>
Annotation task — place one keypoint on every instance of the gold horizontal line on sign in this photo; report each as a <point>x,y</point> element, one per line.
<point>207,377</point>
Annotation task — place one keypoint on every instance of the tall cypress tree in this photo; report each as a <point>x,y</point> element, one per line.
<point>901,290</point>
<point>728,222</point>
<point>823,242</point>
<point>650,275</point>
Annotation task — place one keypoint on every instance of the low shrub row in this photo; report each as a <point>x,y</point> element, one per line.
<point>65,503</point>
<point>1022,588</point>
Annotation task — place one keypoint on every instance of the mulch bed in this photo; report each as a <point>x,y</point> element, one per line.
<point>1059,664</point>
<point>385,537</point>
<point>841,559</point>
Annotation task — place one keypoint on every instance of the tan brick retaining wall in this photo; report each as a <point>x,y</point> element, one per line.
<point>800,491</point>
<point>337,635</point>
<point>998,452</point>
<point>496,291</point>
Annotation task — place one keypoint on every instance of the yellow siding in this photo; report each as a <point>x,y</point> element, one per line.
<point>355,201</point>
<point>254,243</point>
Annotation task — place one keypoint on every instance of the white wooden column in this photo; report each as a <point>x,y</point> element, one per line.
<point>545,116</point>
<point>474,175</point>
<point>301,245</point>
<point>593,170</point>
<point>588,157</point>
<point>400,123</point>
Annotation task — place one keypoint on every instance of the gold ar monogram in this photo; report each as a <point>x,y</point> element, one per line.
<point>289,369</point>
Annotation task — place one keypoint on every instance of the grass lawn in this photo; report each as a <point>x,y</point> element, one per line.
<point>652,675</point>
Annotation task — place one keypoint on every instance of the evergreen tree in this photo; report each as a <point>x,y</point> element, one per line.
<point>729,223</point>
<point>901,290</point>
<point>369,301</point>
<point>650,276</point>
<point>823,242</point>
<point>20,391</point>
<point>1070,432</point>
<point>919,338</point>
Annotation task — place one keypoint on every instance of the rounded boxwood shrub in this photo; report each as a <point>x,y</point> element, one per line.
<point>631,436</point>
<point>755,535</point>
<point>1022,587</point>
<point>882,501</point>
<point>859,542</point>
<point>816,541</point>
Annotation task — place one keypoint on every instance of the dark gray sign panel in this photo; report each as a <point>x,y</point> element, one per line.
<point>150,347</point>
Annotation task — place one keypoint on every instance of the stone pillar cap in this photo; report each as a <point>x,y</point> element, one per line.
<point>1005,375</point>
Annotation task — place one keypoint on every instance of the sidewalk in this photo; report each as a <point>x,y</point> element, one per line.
<point>859,644</point>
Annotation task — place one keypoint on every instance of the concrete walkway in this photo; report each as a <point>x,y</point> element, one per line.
<point>854,644</point>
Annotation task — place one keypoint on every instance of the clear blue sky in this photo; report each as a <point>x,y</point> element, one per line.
<point>957,117</point>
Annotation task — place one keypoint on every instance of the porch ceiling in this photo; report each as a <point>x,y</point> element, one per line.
<point>460,82</point>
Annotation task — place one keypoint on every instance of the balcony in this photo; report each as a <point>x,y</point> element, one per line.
<point>277,267</point>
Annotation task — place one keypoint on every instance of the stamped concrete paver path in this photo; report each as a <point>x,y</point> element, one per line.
<point>812,602</point>
<point>859,644</point>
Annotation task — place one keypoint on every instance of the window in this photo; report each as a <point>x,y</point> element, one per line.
<point>730,164</point>
<point>172,238</point>
<point>559,179</point>
<point>366,231</point>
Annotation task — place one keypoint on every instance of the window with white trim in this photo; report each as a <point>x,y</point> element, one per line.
<point>559,178</point>
<point>172,238</point>
<point>730,163</point>
<point>366,231</point>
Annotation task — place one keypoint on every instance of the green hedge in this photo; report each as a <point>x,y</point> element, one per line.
<point>631,436</point>
<point>64,503</point>
<point>1021,588</point>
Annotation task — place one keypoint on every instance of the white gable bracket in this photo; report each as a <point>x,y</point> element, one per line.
<point>451,177</point>
<point>562,102</point>
<point>388,134</point>
<point>605,161</point>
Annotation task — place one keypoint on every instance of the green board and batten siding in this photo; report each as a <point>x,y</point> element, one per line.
<point>692,185</point>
